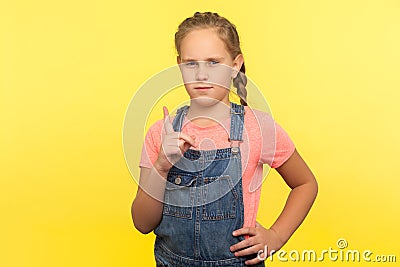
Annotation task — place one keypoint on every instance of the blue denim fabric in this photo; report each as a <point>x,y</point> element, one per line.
<point>203,204</point>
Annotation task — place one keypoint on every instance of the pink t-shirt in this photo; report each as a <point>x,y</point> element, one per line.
<point>264,142</point>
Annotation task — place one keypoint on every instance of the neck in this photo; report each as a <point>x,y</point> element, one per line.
<point>215,112</point>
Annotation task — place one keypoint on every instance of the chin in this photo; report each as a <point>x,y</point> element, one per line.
<point>206,101</point>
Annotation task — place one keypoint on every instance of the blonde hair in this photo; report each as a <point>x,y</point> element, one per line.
<point>228,34</point>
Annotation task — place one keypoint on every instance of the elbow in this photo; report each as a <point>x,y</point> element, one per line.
<point>141,228</point>
<point>139,224</point>
<point>315,187</point>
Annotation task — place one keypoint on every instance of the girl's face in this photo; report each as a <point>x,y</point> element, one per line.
<point>207,67</point>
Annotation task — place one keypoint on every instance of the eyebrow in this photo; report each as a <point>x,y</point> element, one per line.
<point>208,59</point>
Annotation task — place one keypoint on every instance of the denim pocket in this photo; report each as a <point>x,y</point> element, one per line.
<point>179,195</point>
<point>220,198</point>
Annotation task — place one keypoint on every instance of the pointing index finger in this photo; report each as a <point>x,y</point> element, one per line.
<point>167,121</point>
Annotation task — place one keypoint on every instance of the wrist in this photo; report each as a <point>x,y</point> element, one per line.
<point>279,235</point>
<point>160,170</point>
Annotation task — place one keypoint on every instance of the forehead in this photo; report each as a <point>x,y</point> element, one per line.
<point>201,44</point>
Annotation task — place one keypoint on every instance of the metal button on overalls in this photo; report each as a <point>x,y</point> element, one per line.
<point>235,150</point>
<point>178,180</point>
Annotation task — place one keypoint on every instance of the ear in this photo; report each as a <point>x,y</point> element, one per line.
<point>178,60</point>
<point>237,64</point>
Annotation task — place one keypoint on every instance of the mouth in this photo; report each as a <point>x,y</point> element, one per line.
<point>203,88</point>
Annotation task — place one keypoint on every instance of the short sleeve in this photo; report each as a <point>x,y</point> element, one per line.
<point>284,147</point>
<point>277,145</point>
<point>151,145</point>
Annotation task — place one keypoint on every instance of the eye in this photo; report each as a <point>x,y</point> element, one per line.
<point>212,62</point>
<point>191,64</point>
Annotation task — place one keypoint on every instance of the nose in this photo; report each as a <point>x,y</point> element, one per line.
<point>201,73</point>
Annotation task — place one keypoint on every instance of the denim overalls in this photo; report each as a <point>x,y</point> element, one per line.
<point>203,204</point>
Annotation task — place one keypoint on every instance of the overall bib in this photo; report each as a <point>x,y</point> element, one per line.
<point>203,204</point>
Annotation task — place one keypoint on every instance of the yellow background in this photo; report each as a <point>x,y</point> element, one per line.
<point>329,69</point>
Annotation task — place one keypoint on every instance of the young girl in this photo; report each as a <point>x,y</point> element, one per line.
<point>200,169</point>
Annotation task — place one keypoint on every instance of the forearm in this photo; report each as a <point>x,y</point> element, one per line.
<point>295,210</point>
<point>147,206</point>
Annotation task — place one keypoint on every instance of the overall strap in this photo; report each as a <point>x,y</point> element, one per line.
<point>179,118</point>
<point>237,121</point>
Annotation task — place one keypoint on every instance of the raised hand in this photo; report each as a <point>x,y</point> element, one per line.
<point>173,145</point>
